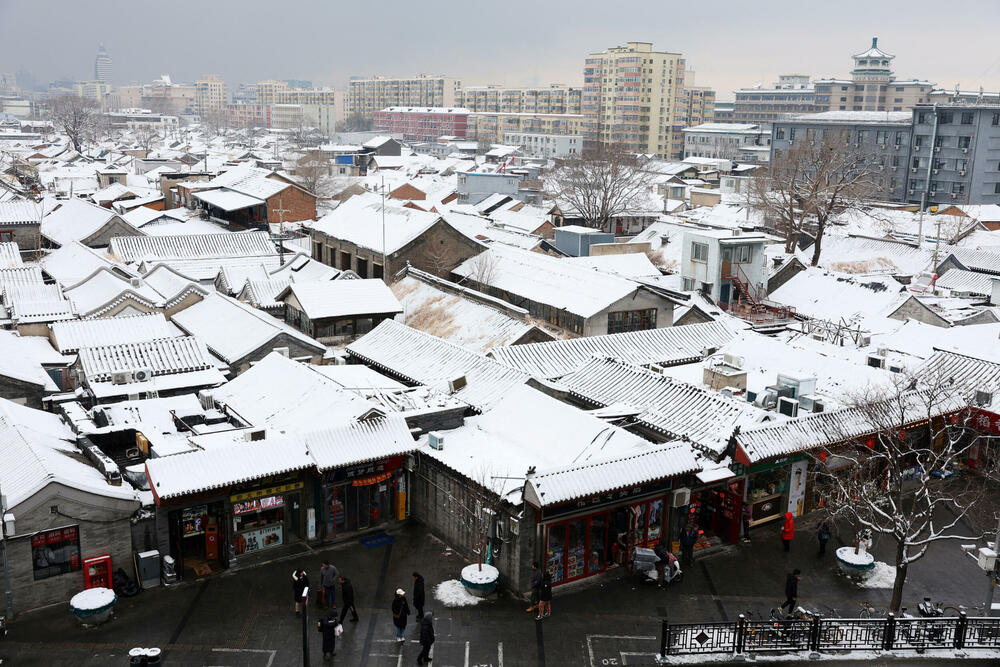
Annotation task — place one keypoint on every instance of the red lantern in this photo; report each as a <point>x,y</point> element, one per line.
<point>870,443</point>
<point>822,456</point>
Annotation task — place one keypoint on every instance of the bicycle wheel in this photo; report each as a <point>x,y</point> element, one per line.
<point>833,635</point>
<point>866,613</point>
<point>954,611</point>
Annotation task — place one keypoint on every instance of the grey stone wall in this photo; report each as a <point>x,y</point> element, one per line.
<point>21,392</point>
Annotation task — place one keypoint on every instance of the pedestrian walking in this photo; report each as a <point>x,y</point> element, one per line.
<point>400,610</point>
<point>689,537</point>
<point>823,535</point>
<point>792,590</point>
<point>788,531</point>
<point>299,583</point>
<point>330,626</point>
<point>545,597</point>
<point>347,600</point>
<point>328,580</point>
<point>747,518</point>
<point>418,595</point>
<point>426,638</point>
<point>536,586</point>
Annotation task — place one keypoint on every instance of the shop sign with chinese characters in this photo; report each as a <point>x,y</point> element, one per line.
<point>250,541</point>
<point>605,499</point>
<point>363,470</point>
<point>269,491</point>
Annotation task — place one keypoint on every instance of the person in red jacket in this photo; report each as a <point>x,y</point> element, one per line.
<point>788,531</point>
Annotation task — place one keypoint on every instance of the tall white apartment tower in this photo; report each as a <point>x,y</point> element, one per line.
<point>102,65</point>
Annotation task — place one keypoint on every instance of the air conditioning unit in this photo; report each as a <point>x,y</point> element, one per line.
<point>708,351</point>
<point>457,383</point>
<point>680,497</point>
<point>435,440</point>
<point>936,171</point>
<point>965,150</point>
<point>733,360</point>
<point>983,397</point>
<point>895,168</point>
<point>255,435</point>
<point>283,351</point>
<point>818,335</point>
<point>882,146</point>
<point>911,192</point>
<point>121,377</point>
<point>875,361</point>
<point>954,195</point>
<point>937,149</point>
<point>142,375</point>
<point>817,406</point>
<point>788,406</point>
<point>961,173</point>
<point>135,282</point>
<point>893,368</point>
<point>913,170</point>
<point>864,340</point>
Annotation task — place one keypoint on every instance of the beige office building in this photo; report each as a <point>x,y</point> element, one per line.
<point>267,91</point>
<point>872,86</point>
<point>555,98</point>
<point>210,95</point>
<point>366,96</point>
<point>494,126</point>
<point>631,98</point>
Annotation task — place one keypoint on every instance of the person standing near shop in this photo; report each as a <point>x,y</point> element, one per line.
<point>330,627</point>
<point>792,590</point>
<point>823,535</point>
<point>418,595</point>
<point>536,586</point>
<point>347,600</point>
<point>426,638</point>
<point>299,583</point>
<point>328,580</point>
<point>545,597</point>
<point>400,610</point>
<point>788,531</point>
<point>689,537</point>
<point>747,518</point>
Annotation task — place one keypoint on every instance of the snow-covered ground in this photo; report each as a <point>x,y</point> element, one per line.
<point>882,577</point>
<point>452,593</point>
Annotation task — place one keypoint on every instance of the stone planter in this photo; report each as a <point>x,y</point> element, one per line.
<point>859,565</point>
<point>480,582</point>
<point>93,606</point>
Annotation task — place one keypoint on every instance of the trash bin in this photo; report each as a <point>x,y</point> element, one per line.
<point>137,656</point>
<point>153,656</point>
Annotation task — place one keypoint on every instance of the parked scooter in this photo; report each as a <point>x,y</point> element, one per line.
<point>644,565</point>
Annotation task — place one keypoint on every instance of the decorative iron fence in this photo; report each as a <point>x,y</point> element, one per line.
<point>816,634</point>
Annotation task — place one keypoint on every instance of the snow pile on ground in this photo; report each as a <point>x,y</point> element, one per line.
<point>452,593</point>
<point>474,575</point>
<point>92,598</point>
<point>882,576</point>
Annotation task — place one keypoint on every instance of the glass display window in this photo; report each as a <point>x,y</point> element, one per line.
<point>55,552</point>
<point>768,484</point>
<point>577,548</point>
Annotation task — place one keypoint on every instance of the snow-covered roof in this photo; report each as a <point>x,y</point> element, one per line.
<point>227,200</point>
<point>360,442</point>
<point>77,220</point>
<point>164,356</point>
<point>10,255</point>
<point>342,298</point>
<point>421,358</point>
<point>560,485</point>
<point>208,269</point>
<point>626,265</point>
<point>167,281</point>
<point>25,275</point>
<point>237,244</point>
<point>862,254</point>
<point>38,449</point>
<point>665,347</point>
<point>973,282</point>
<point>74,261</point>
<point>984,261</point>
<point>375,142</point>
<point>19,212</point>
<point>37,303</point>
<point>850,117</point>
<point>104,286</point>
<point>75,334</point>
<point>831,296</point>
<point>359,221</point>
<point>969,373</point>
<point>233,330</point>
<point>20,361</point>
<point>675,409</point>
<point>482,229</point>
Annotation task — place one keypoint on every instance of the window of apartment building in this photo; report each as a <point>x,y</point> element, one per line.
<point>967,117</point>
<point>940,141</point>
<point>939,164</point>
<point>946,118</point>
<point>922,117</point>
<point>345,261</point>
<point>964,142</point>
<point>895,161</point>
<point>893,183</point>
<point>779,133</point>
<point>739,255</point>
<point>882,137</point>
<point>916,163</point>
<point>914,184</point>
<point>934,187</point>
<point>791,134</point>
<point>996,119</point>
<point>631,320</point>
<point>961,165</point>
<point>898,100</point>
<point>55,552</point>
<point>899,138</point>
<point>861,137</point>
<point>958,188</point>
<point>859,98</point>
<point>996,188</point>
<point>699,251</point>
<point>687,284</point>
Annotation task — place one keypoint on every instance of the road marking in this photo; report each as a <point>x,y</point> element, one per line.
<point>625,655</point>
<point>499,654</point>
<point>466,654</point>
<point>270,653</point>
<point>590,645</point>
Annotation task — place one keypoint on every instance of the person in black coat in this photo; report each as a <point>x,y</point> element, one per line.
<point>426,638</point>
<point>299,583</point>
<point>792,590</point>
<point>328,626</point>
<point>689,537</point>
<point>347,597</point>
<point>536,586</point>
<point>400,610</point>
<point>418,594</point>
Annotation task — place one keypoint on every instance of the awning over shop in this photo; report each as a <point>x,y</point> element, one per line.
<point>714,475</point>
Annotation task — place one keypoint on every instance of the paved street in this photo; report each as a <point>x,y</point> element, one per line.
<point>246,618</point>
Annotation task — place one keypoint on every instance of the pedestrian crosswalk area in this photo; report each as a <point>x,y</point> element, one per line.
<point>445,653</point>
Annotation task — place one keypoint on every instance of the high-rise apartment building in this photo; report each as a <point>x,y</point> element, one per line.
<point>267,91</point>
<point>555,98</point>
<point>631,99</point>
<point>792,94</point>
<point>872,86</point>
<point>210,96</point>
<point>102,65</point>
<point>93,90</point>
<point>366,96</point>
<point>321,108</point>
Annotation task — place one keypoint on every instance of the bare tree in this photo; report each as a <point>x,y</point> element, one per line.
<point>146,137</point>
<point>75,116</point>
<point>601,185</point>
<point>484,268</point>
<point>214,122</point>
<point>478,507</point>
<point>814,181</point>
<point>355,122</point>
<point>884,480</point>
<point>312,171</point>
<point>484,144</point>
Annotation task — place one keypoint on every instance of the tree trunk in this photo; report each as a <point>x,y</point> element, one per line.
<point>897,585</point>
<point>817,248</point>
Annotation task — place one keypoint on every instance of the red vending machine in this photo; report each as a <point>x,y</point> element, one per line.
<point>97,572</point>
<point>211,541</point>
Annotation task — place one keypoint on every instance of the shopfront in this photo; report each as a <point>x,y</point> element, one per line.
<point>776,487</point>
<point>197,533</point>
<point>587,536</point>
<point>362,496</point>
<point>716,511</point>
<point>266,517</point>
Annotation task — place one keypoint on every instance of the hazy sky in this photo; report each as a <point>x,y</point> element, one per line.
<point>515,42</point>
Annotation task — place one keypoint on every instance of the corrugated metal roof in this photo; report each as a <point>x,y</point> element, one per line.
<point>666,347</point>
<point>579,481</point>
<point>37,303</point>
<point>72,335</point>
<point>237,244</point>
<point>227,200</point>
<point>969,373</point>
<point>973,282</point>
<point>360,442</point>
<point>181,474</point>
<point>425,359</point>
<point>984,261</point>
<point>677,409</point>
<point>165,356</point>
<point>25,275</point>
<point>816,430</point>
<point>20,212</point>
<point>10,256</point>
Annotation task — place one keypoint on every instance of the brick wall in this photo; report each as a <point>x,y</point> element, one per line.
<point>300,205</point>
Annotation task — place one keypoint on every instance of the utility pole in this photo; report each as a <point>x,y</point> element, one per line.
<point>994,575</point>
<point>281,211</point>
<point>8,594</point>
<point>305,627</point>
<point>384,266</point>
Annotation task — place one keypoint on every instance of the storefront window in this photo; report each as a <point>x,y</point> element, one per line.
<point>55,552</point>
<point>576,553</point>
<point>258,523</point>
<point>554,552</point>
<point>655,520</point>
<point>768,484</point>
<point>597,560</point>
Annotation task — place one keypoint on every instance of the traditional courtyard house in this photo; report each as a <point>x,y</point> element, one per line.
<point>23,380</point>
<point>19,222</point>
<point>105,294</point>
<point>338,310</point>
<point>251,198</point>
<point>91,225</point>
